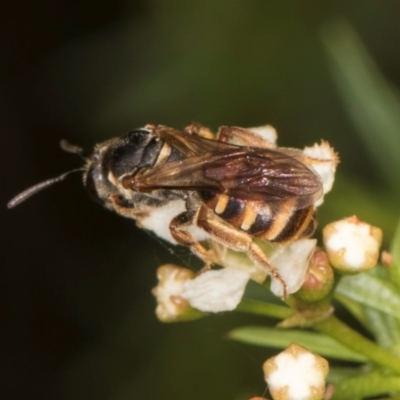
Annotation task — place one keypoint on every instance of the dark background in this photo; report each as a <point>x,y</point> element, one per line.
<point>77,314</point>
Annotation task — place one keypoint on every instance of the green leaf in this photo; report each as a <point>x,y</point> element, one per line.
<point>336,374</point>
<point>372,292</point>
<point>370,384</point>
<point>370,101</point>
<point>354,308</point>
<point>279,338</point>
<point>384,327</point>
<point>394,270</point>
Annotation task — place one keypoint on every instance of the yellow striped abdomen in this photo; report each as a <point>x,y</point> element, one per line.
<point>276,222</point>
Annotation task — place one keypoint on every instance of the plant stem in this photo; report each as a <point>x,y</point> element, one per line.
<point>332,327</point>
<point>342,333</point>
<point>263,308</point>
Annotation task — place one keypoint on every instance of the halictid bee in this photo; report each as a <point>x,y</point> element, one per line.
<point>235,187</point>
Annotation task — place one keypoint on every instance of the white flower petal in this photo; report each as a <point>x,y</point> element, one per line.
<point>216,291</point>
<point>291,260</point>
<point>159,218</point>
<point>267,132</point>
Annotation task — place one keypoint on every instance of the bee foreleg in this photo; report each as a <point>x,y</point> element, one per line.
<point>236,240</point>
<point>179,231</point>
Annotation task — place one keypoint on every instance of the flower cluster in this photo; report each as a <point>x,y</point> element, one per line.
<point>309,273</point>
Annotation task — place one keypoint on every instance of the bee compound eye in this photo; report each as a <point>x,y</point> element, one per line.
<point>91,186</point>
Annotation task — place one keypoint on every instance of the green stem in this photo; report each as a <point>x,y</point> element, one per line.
<point>332,327</point>
<point>265,309</point>
<point>342,333</point>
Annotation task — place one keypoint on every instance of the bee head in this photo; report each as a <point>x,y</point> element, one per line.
<point>117,158</point>
<point>109,163</point>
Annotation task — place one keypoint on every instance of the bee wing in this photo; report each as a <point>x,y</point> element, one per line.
<point>246,173</point>
<point>268,175</point>
<point>190,144</point>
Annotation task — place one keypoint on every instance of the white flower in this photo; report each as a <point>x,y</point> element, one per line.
<point>296,374</point>
<point>223,256</point>
<point>171,306</point>
<point>352,245</point>
<point>267,132</point>
<point>291,260</point>
<point>159,219</point>
<point>216,291</point>
<point>323,159</point>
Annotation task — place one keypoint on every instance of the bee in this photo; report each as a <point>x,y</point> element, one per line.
<point>235,187</point>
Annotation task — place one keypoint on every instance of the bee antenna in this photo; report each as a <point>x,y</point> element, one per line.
<point>18,199</point>
<point>71,148</point>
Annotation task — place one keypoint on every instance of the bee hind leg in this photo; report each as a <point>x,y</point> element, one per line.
<point>179,231</point>
<point>237,240</point>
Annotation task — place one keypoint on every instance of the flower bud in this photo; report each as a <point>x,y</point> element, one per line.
<point>324,160</point>
<point>386,259</point>
<point>296,374</point>
<point>171,306</point>
<point>319,279</point>
<point>352,245</point>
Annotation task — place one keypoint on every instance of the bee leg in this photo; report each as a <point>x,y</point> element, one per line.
<point>242,137</point>
<point>179,231</point>
<point>236,240</point>
<point>195,128</point>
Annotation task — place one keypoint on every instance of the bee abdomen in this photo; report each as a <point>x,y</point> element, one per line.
<point>277,223</point>
<point>228,208</point>
<point>284,224</point>
<point>301,224</point>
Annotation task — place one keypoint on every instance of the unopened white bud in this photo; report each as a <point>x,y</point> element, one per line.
<point>352,245</point>
<point>216,291</point>
<point>324,160</point>
<point>296,374</point>
<point>171,306</point>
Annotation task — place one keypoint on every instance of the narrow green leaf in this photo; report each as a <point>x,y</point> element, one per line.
<point>370,384</point>
<point>342,333</point>
<point>354,308</point>
<point>384,327</point>
<point>394,270</point>
<point>280,338</point>
<point>336,374</point>
<point>370,101</point>
<point>372,292</point>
